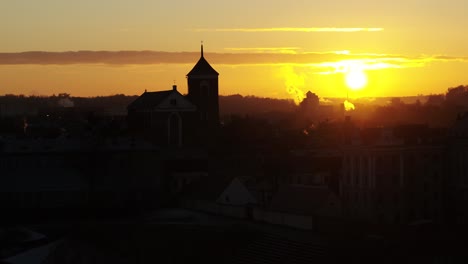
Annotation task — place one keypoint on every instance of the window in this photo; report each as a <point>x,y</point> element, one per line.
<point>204,88</point>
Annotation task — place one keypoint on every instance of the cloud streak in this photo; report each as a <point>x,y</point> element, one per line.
<point>291,50</point>
<point>97,57</point>
<point>292,29</point>
<point>325,62</point>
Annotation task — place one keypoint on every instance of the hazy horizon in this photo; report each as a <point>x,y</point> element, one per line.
<point>240,99</point>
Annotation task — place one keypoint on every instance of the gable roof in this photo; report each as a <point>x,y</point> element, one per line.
<point>202,67</point>
<point>149,99</point>
<point>236,193</point>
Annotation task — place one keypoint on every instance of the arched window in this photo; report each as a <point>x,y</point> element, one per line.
<point>204,88</point>
<point>174,130</point>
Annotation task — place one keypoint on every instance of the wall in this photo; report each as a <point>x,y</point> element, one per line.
<point>257,214</point>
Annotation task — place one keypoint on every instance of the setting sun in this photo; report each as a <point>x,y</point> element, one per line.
<point>356,79</point>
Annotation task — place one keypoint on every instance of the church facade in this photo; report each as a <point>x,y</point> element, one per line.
<point>172,119</point>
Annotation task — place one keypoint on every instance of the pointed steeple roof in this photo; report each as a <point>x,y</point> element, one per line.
<point>202,67</point>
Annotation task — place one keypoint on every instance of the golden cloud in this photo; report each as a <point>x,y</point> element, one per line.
<point>324,62</point>
<point>290,29</point>
<point>291,50</point>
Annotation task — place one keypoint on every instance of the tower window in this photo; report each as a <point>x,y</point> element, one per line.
<point>204,88</point>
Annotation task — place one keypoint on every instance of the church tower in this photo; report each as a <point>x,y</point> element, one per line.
<point>202,83</point>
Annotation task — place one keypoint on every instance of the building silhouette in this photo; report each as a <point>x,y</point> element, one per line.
<point>393,175</point>
<point>164,116</point>
<point>203,91</point>
<point>170,118</point>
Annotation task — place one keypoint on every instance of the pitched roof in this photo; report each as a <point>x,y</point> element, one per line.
<point>149,99</point>
<point>202,67</point>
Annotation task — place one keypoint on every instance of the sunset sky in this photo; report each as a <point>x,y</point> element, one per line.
<point>264,48</point>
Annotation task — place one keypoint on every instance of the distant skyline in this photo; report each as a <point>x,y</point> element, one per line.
<point>264,48</point>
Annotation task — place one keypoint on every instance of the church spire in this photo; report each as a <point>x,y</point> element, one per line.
<point>201,49</point>
<point>202,67</point>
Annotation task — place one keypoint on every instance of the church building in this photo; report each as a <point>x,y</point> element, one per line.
<point>170,118</point>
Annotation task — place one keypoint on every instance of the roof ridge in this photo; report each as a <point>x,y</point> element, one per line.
<point>150,98</point>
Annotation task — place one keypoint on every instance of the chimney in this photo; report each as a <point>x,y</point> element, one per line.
<point>174,87</point>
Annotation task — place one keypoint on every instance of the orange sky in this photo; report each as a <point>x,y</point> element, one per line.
<point>403,47</point>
